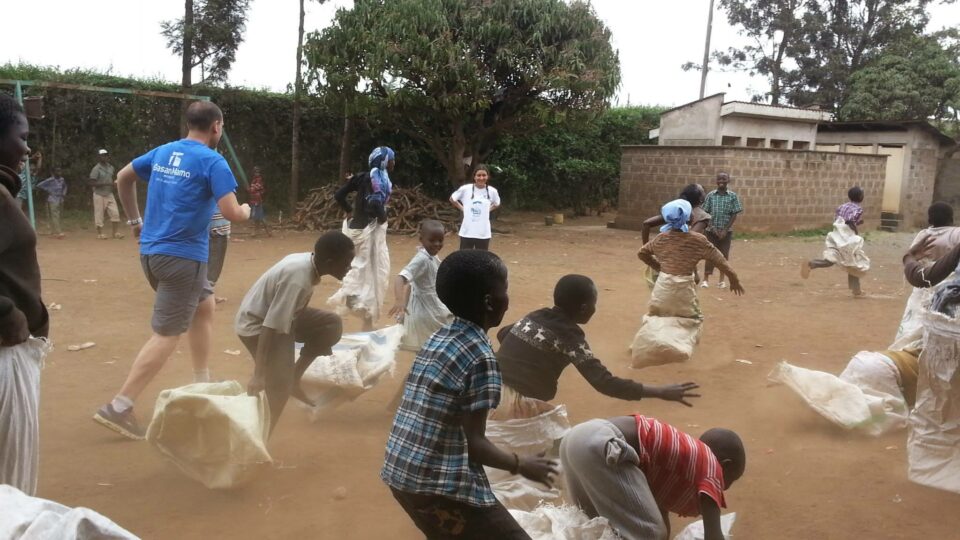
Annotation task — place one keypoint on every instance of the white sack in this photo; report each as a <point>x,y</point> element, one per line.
<point>865,397</point>
<point>694,531</point>
<point>214,432</point>
<point>910,331</point>
<point>664,340</point>
<point>358,363</point>
<point>933,442</point>
<point>527,437</point>
<point>845,248</point>
<point>28,518</point>
<point>19,412</point>
<point>566,522</point>
<point>364,288</point>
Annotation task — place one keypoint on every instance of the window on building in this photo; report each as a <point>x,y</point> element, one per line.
<point>730,141</point>
<point>801,145</point>
<point>754,142</point>
<point>779,143</point>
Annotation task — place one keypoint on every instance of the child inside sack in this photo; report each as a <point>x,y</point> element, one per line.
<point>382,161</point>
<point>417,307</point>
<point>437,448</point>
<point>275,314</point>
<point>535,351</point>
<point>671,328</point>
<point>699,221</point>
<point>845,245</point>
<point>931,244</point>
<point>635,470</point>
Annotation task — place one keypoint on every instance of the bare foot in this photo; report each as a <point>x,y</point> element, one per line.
<point>805,270</point>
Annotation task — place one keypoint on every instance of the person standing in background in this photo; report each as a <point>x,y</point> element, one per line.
<point>476,201</point>
<point>101,180</point>
<point>723,206</point>
<point>56,188</point>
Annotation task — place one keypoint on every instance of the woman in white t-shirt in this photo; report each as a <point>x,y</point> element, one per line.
<point>476,201</point>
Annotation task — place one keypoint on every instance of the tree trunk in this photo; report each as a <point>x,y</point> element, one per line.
<point>186,61</point>
<point>346,138</point>
<point>295,152</point>
<point>456,170</point>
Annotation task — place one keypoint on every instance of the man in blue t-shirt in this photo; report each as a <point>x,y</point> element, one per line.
<point>187,180</point>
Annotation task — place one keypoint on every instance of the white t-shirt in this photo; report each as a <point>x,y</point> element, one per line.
<point>476,209</point>
<point>276,299</point>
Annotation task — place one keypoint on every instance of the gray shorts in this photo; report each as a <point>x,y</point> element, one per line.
<point>181,284</point>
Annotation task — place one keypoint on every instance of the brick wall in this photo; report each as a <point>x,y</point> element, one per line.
<point>781,190</point>
<point>918,187</point>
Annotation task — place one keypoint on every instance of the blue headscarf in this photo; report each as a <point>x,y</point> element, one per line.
<point>677,215</point>
<point>379,176</point>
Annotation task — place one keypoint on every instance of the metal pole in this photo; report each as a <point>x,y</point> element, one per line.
<point>706,54</point>
<point>18,95</point>
<point>236,162</point>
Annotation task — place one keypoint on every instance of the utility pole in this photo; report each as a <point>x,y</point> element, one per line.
<point>706,53</point>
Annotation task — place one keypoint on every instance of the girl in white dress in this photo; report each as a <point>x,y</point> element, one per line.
<point>417,305</point>
<point>476,201</point>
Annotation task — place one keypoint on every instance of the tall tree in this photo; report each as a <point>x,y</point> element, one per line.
<point>207,37</point>
<point>295,142</point>
<point>918,78</point>
<point>846,35</point>
<point>775,31</point>
<point>458,74</point>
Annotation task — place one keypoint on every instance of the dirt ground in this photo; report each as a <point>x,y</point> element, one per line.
<point>804,478</point>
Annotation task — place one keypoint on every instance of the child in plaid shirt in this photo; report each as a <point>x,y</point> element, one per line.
<point>437,447</point>
<point>845,251</point>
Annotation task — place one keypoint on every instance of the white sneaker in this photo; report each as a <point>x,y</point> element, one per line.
<point>704,284</point>
<point>721,285</point>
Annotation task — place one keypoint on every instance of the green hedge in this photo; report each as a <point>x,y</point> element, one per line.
<point>572,163</point>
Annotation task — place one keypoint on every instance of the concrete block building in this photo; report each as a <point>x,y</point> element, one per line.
<point>791,166</point>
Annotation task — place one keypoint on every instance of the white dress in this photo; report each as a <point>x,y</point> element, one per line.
<point>425,312</point>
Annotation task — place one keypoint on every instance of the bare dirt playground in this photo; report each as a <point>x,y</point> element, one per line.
<point>804,480</point>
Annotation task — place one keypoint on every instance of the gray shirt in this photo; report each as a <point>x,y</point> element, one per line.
<point>276,299</point>
<point>101,178</point>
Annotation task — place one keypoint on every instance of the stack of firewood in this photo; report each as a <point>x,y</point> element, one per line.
<point>406,209</point>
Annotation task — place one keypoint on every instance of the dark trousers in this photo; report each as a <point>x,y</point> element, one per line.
<point>318,330</point>
<point>475,243</point>
<point>852,281</point>
<point>723,244</point>
<point>218,254</point>
<point>440,518</point>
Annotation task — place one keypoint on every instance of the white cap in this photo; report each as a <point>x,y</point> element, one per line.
<point>103,152</point>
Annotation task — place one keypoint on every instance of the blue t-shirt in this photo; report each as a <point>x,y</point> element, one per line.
<point>186,179</point>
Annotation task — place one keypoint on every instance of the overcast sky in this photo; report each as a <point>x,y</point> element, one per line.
<point>654,39</point>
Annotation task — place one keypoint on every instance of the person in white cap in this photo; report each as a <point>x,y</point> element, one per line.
<point>101,180</point>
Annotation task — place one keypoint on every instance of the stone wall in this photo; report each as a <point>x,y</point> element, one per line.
<point>918,186</point>
<point>781,190</point>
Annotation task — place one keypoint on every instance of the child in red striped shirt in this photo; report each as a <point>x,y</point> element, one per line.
<point>635,470</point>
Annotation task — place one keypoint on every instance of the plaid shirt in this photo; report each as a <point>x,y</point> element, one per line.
<point>722,207</point>
<point>454,374</point>
<point>850,211</point>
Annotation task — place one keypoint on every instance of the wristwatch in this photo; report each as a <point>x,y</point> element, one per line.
<point>133,222</point>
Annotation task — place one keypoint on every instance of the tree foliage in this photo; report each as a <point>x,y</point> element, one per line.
<point>809,50</point>
<point>457,75</point>
<point>916,78</point>
<point>775,32</point>
<point>217,33</point>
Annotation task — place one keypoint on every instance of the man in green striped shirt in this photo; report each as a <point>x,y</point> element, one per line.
<point>723,205</point>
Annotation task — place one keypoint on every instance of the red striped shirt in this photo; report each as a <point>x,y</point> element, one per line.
<point>678,467</point>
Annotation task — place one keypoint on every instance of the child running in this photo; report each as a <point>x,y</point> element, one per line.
<point>635,470</point>
<point>274,315</point>
<point>438,447</point>
<point>417,307</point>
<point>535,350</point>
<point>844,244</point>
